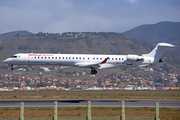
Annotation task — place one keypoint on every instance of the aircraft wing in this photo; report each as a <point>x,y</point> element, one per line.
<point>93,65</point>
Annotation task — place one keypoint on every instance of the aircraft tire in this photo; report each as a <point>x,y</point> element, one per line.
<point>12,67</point>
<point>93,71</point>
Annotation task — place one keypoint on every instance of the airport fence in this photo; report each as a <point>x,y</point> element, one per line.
<point>82,114</point>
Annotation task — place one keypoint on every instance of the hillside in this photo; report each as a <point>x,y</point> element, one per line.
<point>102,43</point>
<point>17,33</point>
<point>155,33</point>
<point>95,43</point>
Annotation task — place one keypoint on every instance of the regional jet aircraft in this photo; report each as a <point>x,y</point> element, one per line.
<point>93,61</point>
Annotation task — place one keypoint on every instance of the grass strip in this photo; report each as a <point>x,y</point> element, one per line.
<point>165,113</point>
<point>95,96</point>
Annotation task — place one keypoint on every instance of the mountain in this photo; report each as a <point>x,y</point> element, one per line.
<point>161,32</point>
<point>17,33</point>
<point>155,33</point>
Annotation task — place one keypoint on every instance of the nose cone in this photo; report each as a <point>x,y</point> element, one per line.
<point>5,61</point>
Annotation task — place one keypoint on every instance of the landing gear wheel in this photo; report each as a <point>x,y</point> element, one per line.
<point>93,71</point>
<point>12,67</point>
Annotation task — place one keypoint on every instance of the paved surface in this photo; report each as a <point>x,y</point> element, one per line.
<point>48,103</point>
<point>91,92</point>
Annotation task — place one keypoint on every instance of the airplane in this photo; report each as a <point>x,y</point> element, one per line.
<point>93,61</point>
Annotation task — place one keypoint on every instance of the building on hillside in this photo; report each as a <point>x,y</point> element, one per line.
<point>85,86</point>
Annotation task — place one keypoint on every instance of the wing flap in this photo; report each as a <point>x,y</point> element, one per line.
<point>88,65</point>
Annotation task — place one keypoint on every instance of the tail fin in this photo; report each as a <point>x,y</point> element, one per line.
<point>159,50</point>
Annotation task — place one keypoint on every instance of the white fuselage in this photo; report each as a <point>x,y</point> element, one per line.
<point>78,60</point>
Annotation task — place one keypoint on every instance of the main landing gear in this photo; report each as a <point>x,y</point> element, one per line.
<point>93,71</point>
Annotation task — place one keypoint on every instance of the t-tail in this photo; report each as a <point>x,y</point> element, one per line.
<point>158,51</point>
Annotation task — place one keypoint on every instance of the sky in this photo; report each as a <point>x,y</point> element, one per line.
<point>58,16</point>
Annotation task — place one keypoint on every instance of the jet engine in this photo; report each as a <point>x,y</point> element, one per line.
<point>134,58</point>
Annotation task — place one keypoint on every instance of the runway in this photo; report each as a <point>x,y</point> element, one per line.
<point>71,103</point>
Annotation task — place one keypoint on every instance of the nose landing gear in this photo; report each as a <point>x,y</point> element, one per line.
<point>93,71</point>
<point>12,67</point>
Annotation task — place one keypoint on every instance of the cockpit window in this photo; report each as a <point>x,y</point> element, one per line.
<point>13,57</point>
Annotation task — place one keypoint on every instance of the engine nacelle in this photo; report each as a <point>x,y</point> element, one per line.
<point>134,58</point>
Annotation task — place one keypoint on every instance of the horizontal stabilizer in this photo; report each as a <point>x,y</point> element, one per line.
<point>159,50</point>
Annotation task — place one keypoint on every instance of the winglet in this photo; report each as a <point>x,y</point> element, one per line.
<point>105,60</point>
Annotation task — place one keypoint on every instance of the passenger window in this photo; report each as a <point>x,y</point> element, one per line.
<point>93,58</point>
<point>79,57</point>
<point>38,57</point>
<point>56,57</point>
<point>69,57</point>
<point>41,57</point>
<point>83,58</point>
<point>109,58</point>
<point>112,58</point>
<point>35,57</point>
<point>59,57</point>
<point>52,57</point>
<point>88,58</point>
<point>119,58</point>
<point>100,58</point>
<point>73,58</point>
<point>49,57</point>
<point>45,57</point>
<point>97,58</point>
<point>116,58</point>
<point>122,58</point>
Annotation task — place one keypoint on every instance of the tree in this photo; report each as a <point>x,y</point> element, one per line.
<point>28,82</point>
<point>67,85</point>
<point>113,80</point>
<point>139,83</point>
<point>178,77</point>
<point>42,84</point>
<point>99,82</point>
<point>17,85</point>
<point>160,80</point>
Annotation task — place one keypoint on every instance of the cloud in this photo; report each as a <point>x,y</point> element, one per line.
<point>132,1</point>
<point>57,16</point>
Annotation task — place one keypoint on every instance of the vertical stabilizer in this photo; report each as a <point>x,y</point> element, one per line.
<point>159,50</point>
